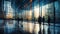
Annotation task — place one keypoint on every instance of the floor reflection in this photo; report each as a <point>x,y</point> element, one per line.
<point>28,27</point>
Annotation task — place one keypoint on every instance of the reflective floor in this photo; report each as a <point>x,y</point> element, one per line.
<point>28,27</point>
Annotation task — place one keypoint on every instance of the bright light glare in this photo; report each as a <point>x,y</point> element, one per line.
<point>36,11</point>
<point>8,9</point>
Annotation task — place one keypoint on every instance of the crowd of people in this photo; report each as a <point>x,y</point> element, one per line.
<point>42,19</point>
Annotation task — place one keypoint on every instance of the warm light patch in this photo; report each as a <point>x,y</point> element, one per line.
<point>30,0</point>
<point>43,11</point>
<point>29,15</point>
<point>10,15</point>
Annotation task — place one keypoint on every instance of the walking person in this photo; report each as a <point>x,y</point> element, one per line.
<point>43,25</point>
<point>39,21</point>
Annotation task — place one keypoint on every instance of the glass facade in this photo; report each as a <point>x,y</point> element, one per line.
<point>30,17</point>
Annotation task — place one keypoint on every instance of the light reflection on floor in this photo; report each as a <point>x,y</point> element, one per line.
<point>31,27</point>
<point>25,26</point>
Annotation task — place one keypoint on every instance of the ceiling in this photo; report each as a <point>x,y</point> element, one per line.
<point>22,4</point>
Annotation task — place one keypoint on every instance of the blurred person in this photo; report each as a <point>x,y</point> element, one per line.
<point>43,19</point>
<point>49,24</point>
<point>39,21</point>
<point>43,24</point>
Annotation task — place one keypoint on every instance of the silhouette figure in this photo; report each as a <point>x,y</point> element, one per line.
<point>39,19</point>
<point>48,19</point>
<point>43,19</point>
<point>43,32</point>
<point>49,24</point>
